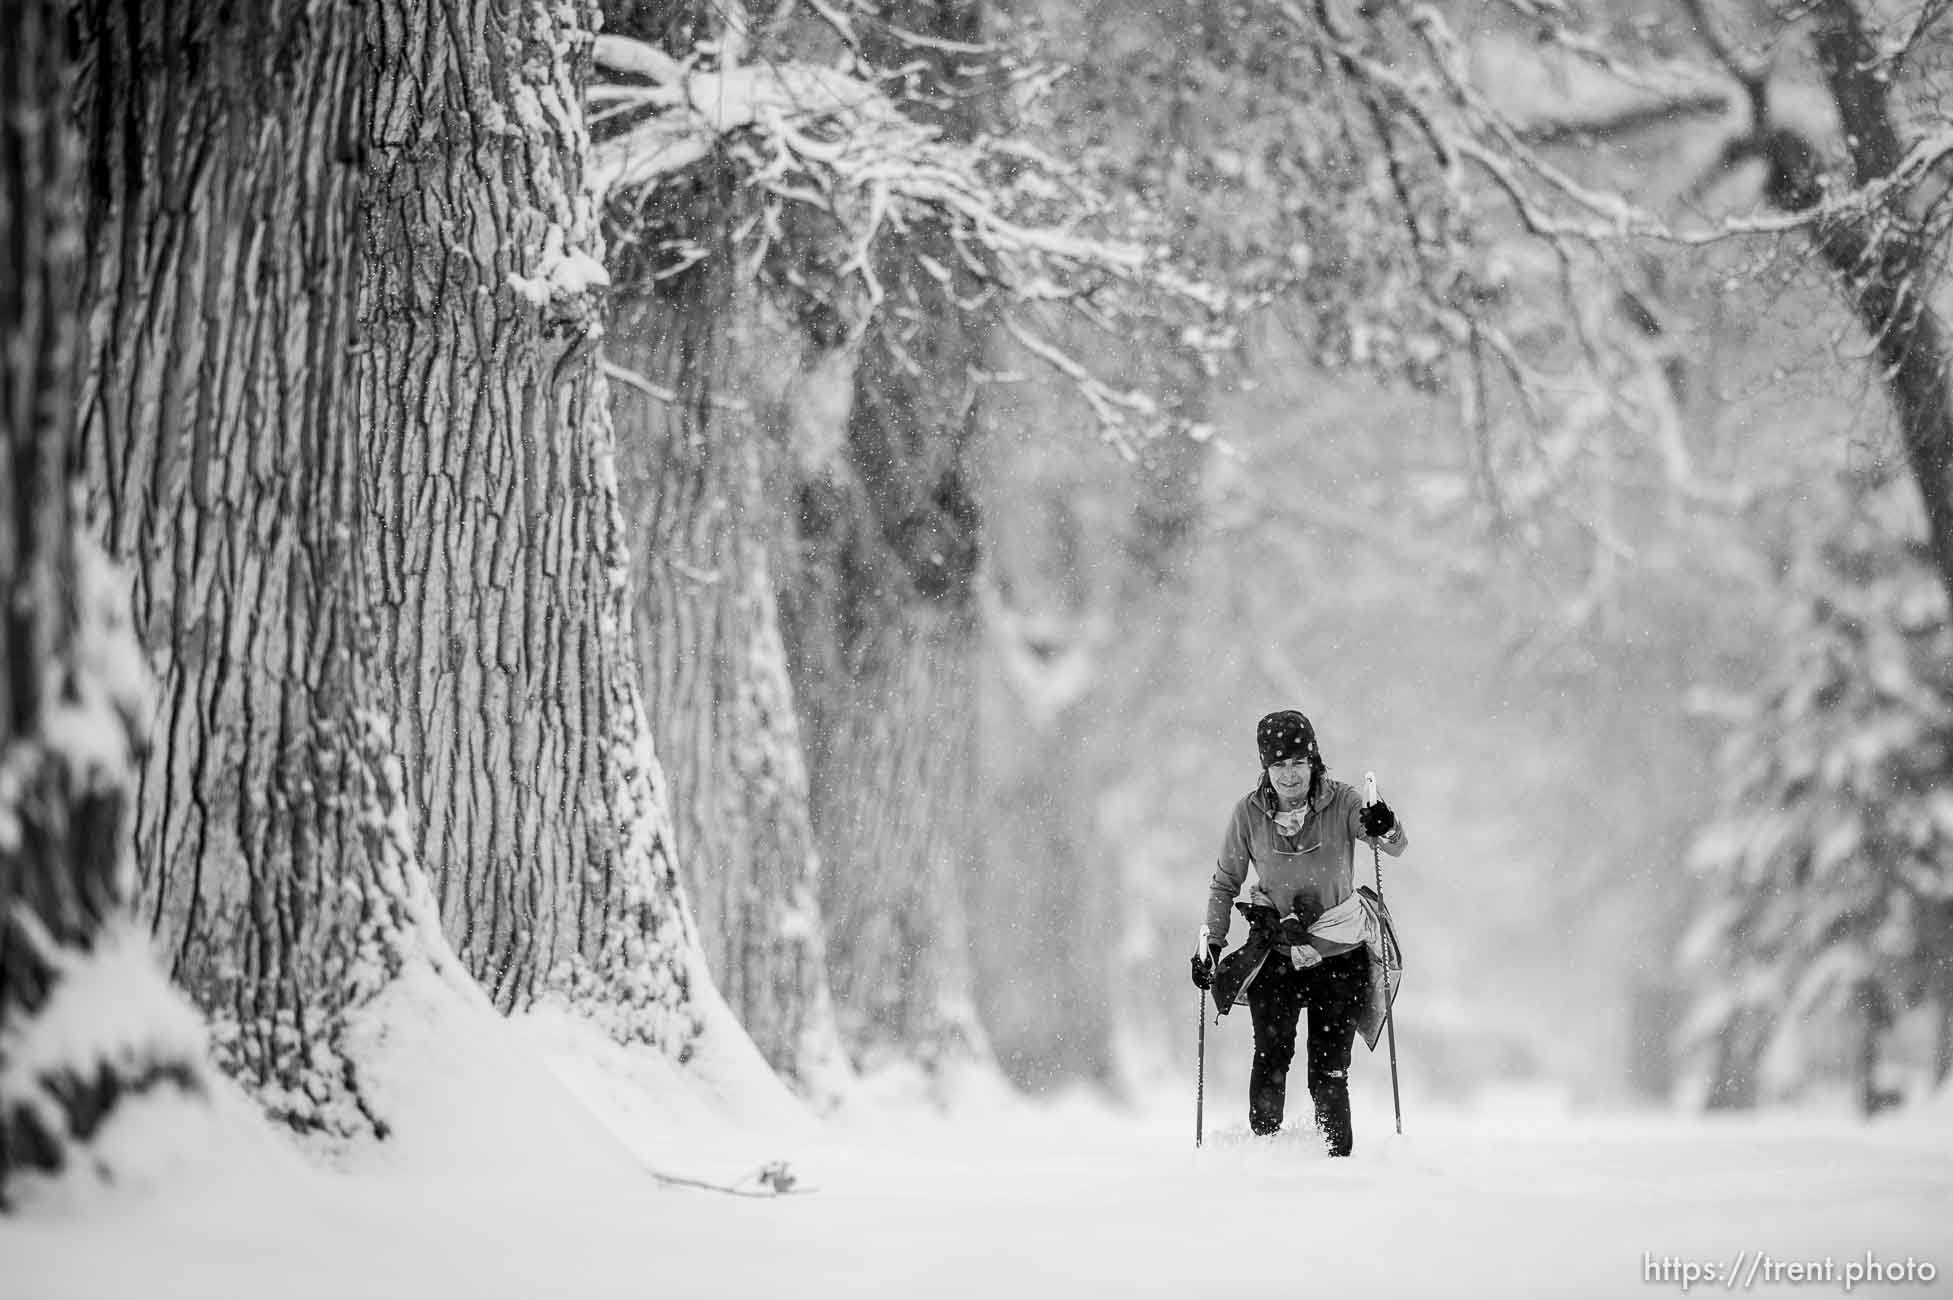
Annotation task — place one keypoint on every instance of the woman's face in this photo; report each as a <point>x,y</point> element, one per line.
<point>1290,777</point>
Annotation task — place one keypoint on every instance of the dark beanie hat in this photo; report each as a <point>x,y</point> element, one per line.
<point>1285,734</point>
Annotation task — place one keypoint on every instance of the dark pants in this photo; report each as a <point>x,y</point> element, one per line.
<point>1333,993</point>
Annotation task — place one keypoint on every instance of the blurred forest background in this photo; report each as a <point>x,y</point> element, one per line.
<point>809,500</point>
<point>1596,665</point>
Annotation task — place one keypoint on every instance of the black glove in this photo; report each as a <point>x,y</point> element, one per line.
<point>1203,967</point>
<point>1378,819</point>
<point>1260,916</point>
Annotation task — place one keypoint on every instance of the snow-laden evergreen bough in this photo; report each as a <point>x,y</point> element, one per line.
<point>1818,959</point>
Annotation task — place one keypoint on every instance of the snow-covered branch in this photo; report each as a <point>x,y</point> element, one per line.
<point>1024,225</point>
<point>1462,120</point>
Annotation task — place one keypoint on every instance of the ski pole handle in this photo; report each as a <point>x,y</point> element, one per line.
<point>1369,788</point>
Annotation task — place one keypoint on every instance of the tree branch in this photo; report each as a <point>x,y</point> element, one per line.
<point>1021,222</point>
<point>1625,122</point>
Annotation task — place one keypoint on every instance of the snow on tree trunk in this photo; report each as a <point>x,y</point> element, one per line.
<point>87,1024</point>
<point>703,492</point>
<point>499,566</point>
<point>220,439</point>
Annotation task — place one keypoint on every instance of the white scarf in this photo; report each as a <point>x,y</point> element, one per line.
<point>1290,823</point>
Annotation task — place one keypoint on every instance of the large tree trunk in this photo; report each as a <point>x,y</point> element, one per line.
<point>702,470</point>
<point>223,186</point>
<point>71,688</point>
<point>499,566</point>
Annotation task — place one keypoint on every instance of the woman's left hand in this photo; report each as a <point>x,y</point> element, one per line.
<point>1378,820</point>
<point>1304,956</point>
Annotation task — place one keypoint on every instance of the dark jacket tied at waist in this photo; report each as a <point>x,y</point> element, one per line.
<point>1272,936</point>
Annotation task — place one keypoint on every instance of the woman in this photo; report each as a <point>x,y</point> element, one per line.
<point>1298,829</point>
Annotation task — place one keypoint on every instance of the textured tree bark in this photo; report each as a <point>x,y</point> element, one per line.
<point>498,563</point>
<point>68,726</point>
<point>702,469</point>
<point>219,432</point>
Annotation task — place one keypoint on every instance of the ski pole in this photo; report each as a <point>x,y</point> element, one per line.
<point>1200,1059</point>
<point>1389,1019</point>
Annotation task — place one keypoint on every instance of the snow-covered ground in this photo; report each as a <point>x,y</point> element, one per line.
<point>522,1169</point>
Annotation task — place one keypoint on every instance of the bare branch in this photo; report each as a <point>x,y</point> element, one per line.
<point>1114,407</point>
<point>839,22</point>
<point>1930,15</point>
<point>1624,122</point>
<point>1751,74</point>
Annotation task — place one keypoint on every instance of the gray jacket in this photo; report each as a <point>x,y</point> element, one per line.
<point>1306,874</point>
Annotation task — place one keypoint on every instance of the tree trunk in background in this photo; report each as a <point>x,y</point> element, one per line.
<point>1155,591</point>
<point>219,433</point>
<point>498,562</point>
<point>1886,266</point>
<point>71,689</point>
<point>1082,615</point>
<point>1733,1064</point>
<point>881,624</point>
<point>702,470</point>
<point>1045,879</point>
<point>888,693</point>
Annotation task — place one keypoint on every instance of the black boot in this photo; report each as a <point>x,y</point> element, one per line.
<point>1331,1096</point>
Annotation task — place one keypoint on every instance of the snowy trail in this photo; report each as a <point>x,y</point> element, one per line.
<point>519,1169</point>
<point>1068,1201</point>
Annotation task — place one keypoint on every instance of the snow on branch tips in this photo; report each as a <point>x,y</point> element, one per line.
<point>1025,228</point>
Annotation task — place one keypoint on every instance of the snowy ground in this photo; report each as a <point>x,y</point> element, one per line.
<point>500,1185</point>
